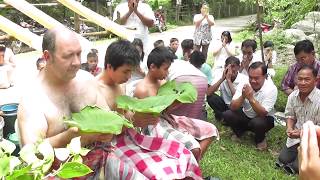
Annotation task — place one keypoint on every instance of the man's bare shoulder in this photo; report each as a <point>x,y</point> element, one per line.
<point>141,91</point>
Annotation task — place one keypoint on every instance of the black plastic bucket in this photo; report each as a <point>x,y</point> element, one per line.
<point>9,115</point>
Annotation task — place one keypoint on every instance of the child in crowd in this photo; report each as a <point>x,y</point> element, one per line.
<point>92,63</point>
<point>159,62</point>
<point>198,59</point>
<point>173,46</point>
<point>187,48</point>
<point>158,43</point>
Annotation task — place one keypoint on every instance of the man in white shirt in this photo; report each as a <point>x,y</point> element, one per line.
<point>303,105</point>
<point>137,16</point>
<point>228,84</point>
<point>7,66</point>
<point>252,106</point>
<point>248,55</point>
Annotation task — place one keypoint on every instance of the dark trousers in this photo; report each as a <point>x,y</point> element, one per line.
<point>289,157</point>
<point>240,123</point>
<point>217,104</point>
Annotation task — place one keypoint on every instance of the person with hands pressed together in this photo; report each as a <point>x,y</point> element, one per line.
<point>303,105</point>
<point>203,34</point>
<point>138,16</point>
<point>228,84</point>
<point>248,55</point>
<point>252,106</point>
<point>309,156</point>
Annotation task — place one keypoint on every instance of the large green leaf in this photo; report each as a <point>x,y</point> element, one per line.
<point>92,119</point>
<point>73,169</point>
<point>153,104</point>
<point>167,94</point>
<point>186,92</point>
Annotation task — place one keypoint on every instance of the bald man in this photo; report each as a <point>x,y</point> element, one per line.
<point>59,90</point>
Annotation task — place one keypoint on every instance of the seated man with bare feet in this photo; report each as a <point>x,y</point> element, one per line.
<point>252,106</point>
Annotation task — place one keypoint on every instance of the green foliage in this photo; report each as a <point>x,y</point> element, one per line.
<point>287,12</point>
<point>167,94</point>
<point>243,35</point>
<point>278,38</point>
<point>92,119</point>
<point>30,166</point>
<point>282,98</point>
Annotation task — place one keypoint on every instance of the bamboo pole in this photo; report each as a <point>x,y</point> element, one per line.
<point>42,18</point>
<point>20,33</point>
<point>98,19</point>
<point>259,26</point>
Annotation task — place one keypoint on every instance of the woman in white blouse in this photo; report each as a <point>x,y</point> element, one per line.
<point>221,52</point>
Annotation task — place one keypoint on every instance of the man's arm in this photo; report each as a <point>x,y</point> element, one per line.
<point>258,108</point>
<point>145,20</point>
<point>212,89</point>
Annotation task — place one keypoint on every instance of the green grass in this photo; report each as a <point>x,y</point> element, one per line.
<point>282,98</point>
<point>230,160</point>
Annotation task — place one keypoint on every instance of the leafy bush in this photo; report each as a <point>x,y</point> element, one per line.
<point>282,98</point>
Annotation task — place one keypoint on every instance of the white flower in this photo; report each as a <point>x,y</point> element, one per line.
<point>7,146</point>
<point>14,161</point>
<point>75,145</point>
<point>46,150</point>
<point>62,153</point>
<point>27,154</point>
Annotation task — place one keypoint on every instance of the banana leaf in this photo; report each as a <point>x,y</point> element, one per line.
<point>92,119</point>
<point>167,94</point>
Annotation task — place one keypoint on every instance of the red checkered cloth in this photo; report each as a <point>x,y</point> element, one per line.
<point>102,159</point>
<point>156,158</point>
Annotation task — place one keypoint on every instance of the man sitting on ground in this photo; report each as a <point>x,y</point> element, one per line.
<point>59,90</point>
<point>252,106</point>
<point>305,55</point>
<point>173,46</point>
<point>303,105</point>
<point>228,83</point>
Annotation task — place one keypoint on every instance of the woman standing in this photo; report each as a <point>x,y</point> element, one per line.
<point>203,34</point>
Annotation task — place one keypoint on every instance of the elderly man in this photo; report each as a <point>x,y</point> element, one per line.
<point>303,105</point>
<point>138,16</point>
<point>59,90</point>
<point>305,55</point>
<point>251,107</point>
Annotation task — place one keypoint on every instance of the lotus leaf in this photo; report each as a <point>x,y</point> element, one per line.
<point>153,104</point>
<point>186,92</point>
<point>92,119</point>
<point>167,94</point>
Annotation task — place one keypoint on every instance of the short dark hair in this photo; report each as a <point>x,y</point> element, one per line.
<point>158,56</point>
<point>138,42</point>
<point>49,41</point>
<point>232,60</point>
<point>309,67</point>
<point>249,43</point>
<point>257,65</point>
<point>2,48</point>
<point>197,58</point>
<point>187,44</point>
<point>158,43</point>
<point>227,34</point>
<point>121,52</point>
<point>303,46</point>
<point>173,40</point>
<point>268,44</point>
<point>93,53</point>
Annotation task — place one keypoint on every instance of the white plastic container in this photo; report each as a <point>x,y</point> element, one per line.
<point>1,127</point>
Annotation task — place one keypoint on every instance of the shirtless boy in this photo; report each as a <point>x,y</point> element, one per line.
<point>159,61</point>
